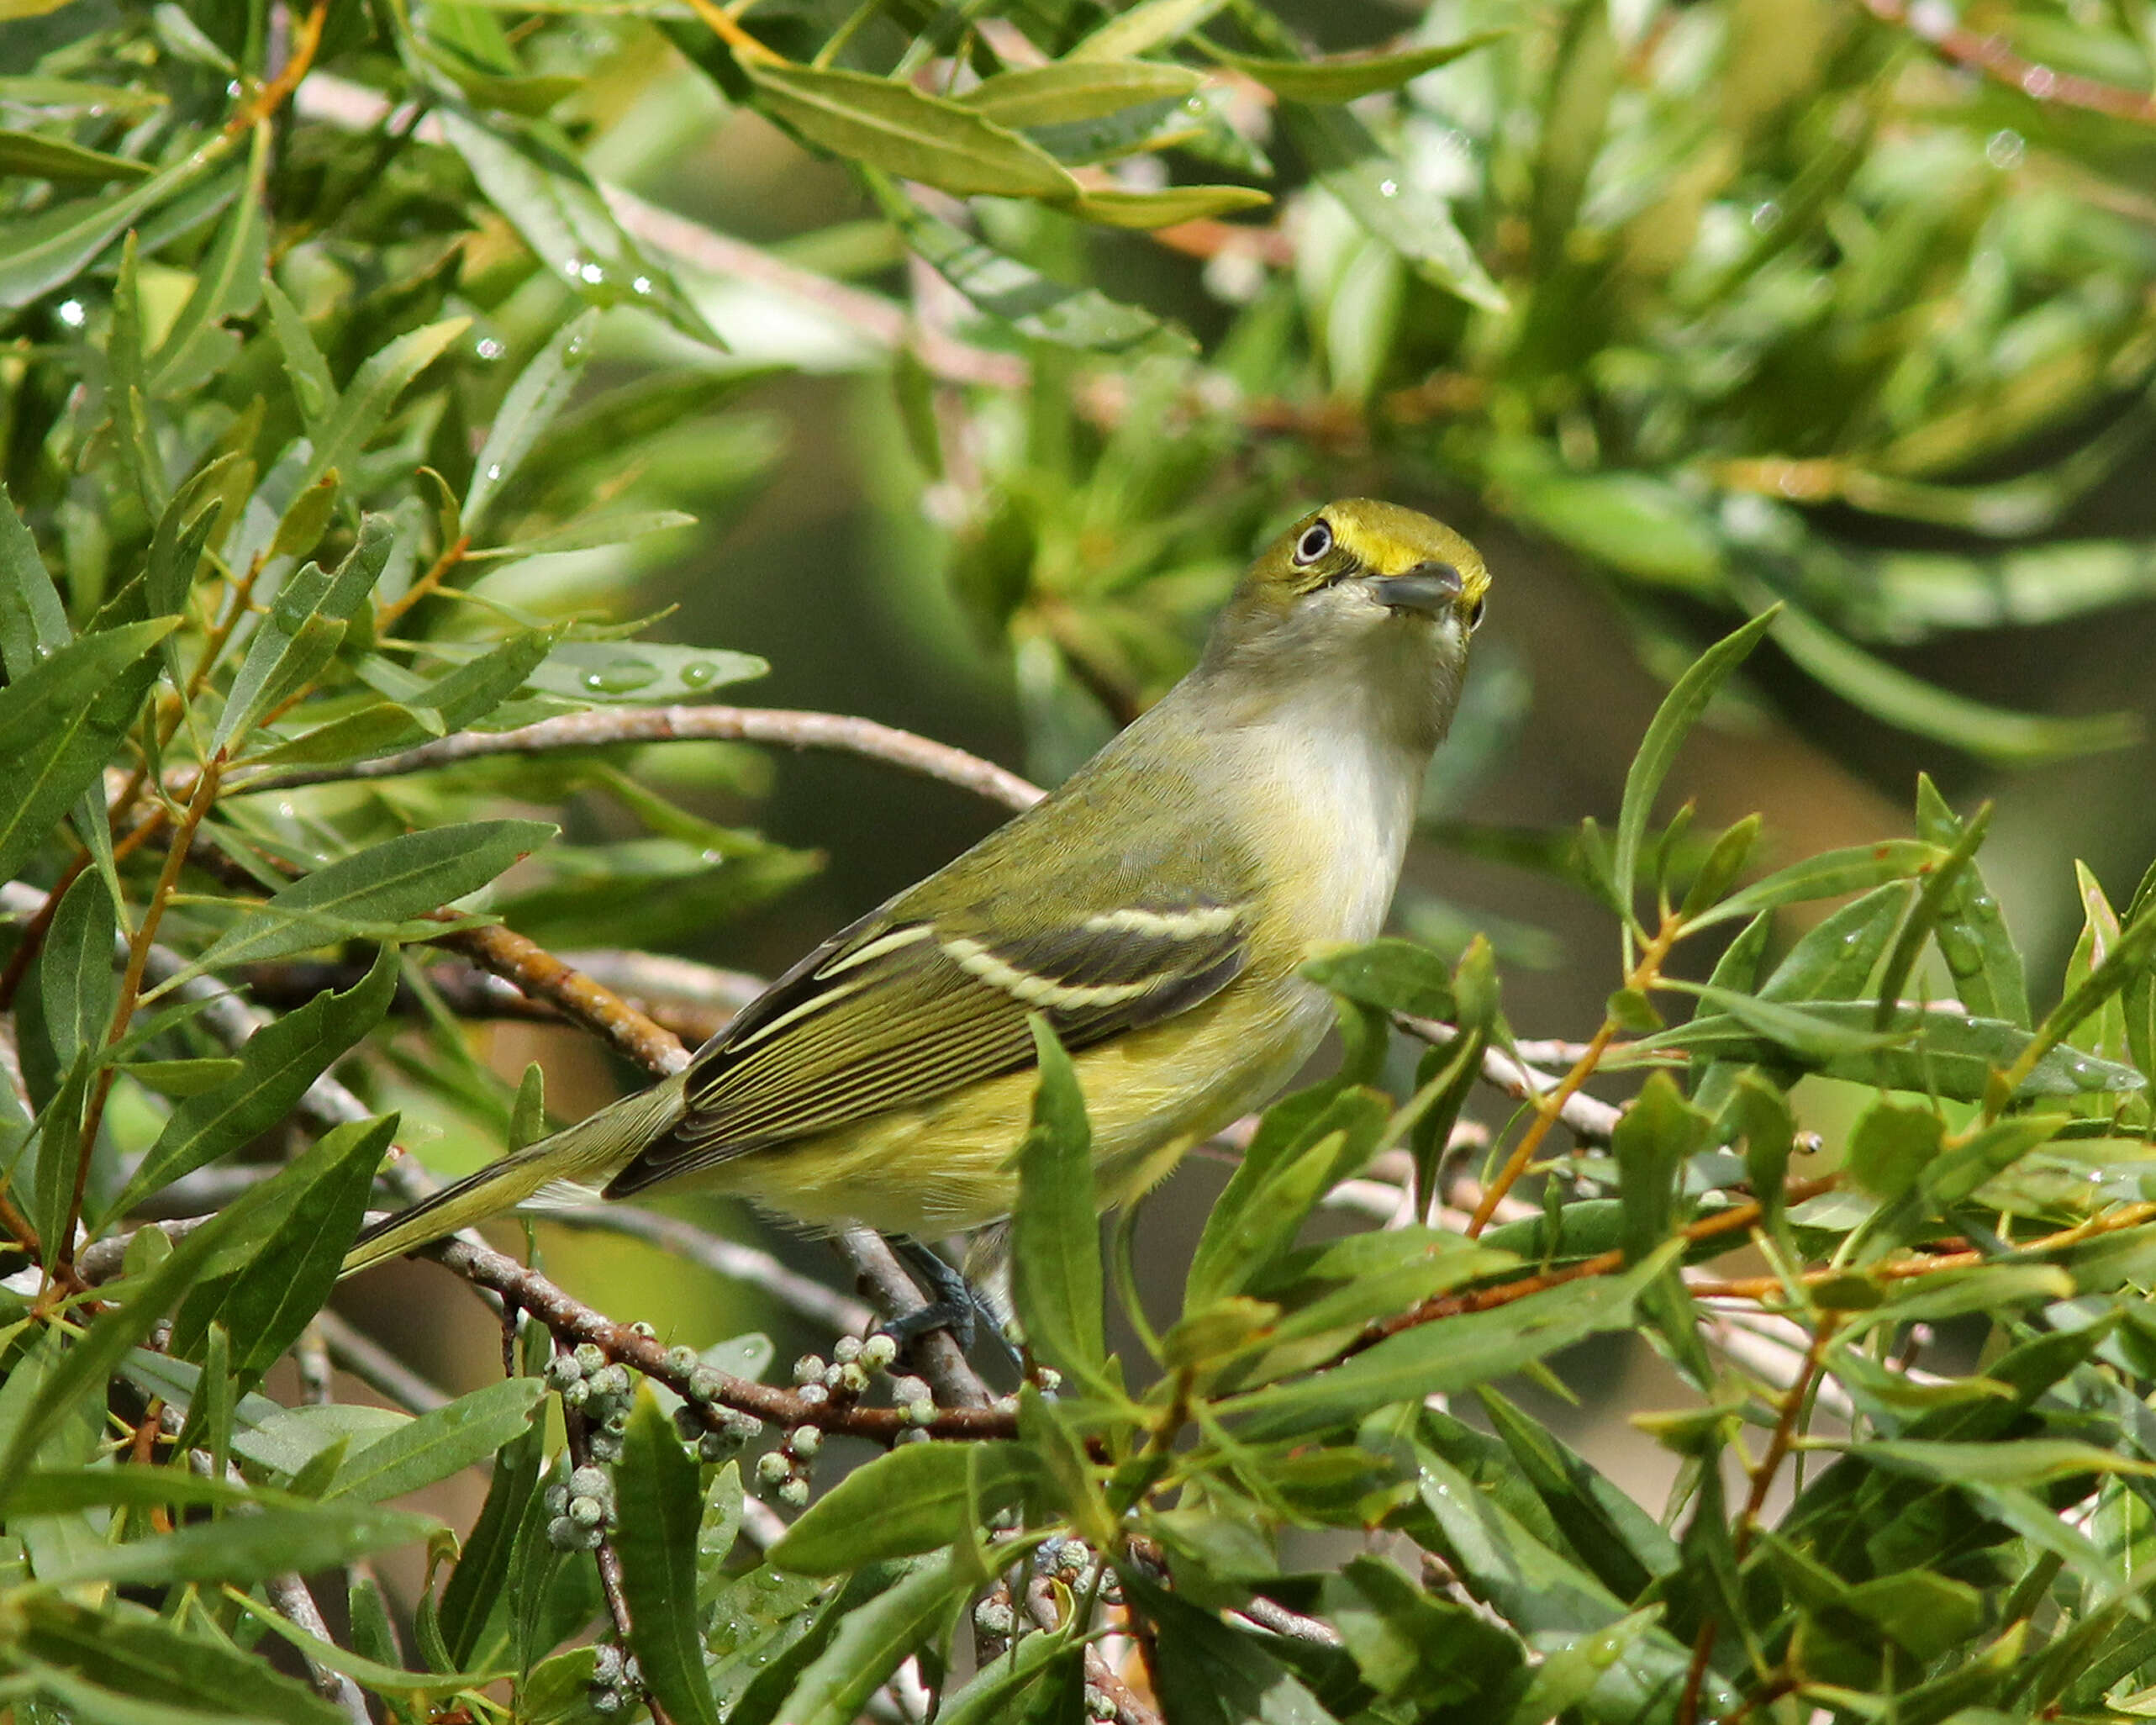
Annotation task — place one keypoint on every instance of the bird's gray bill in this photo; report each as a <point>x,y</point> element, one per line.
<point>1432,589</point>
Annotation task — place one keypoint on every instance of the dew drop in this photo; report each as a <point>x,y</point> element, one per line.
<point>697,672</point>
<point>2004,149</point>
<point>2039,80</point>
<point>494,470</point>
<point>72,314</point>
<point>592,273</point>
<point>489,349</point>
<point>642,284</point>
<point>1388,188</point>
<point>620,676</point>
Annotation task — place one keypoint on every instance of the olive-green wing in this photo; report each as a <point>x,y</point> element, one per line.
<point>897,1011</point>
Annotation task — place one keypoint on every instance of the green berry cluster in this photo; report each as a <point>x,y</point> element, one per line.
<point>617,1680</point>
<point>704,1384</point>
<point>600,1389</point>
<point>580,1510</point>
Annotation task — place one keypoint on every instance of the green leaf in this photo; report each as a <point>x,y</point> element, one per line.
<point>531,174</point>
<point>1439,1358</point>
<point>38,252</point>
<point>1393,975</point>
<point>33,621</point>
<point>1828,875</point>
<point>276,1294</point>
<point>2024,1461</point>
<point>1076,89</point>
<point>350,426</point>
<point>440,1443</point>
<point>917,1498</point>
<point>1688,699</point>
<point>660,1507</point>
<point>61,722</point>
<point>75,983</point>
<point>277,1064</point>
<point>1893,695</point>
<point>539,392</point>
<point>373,1674</point>
<point>1653,1140</point>
<point>1209,1674</point>
<point>1113,208</point>
<point>1150,24</point>
<point>641,671</point>
<point>873,1640</point>
<point>1348,77</point>
<point>1380,193</point>
<point>227,284</point>
<point>1971,934</point>
<point>242,1549</point>
<point>473,1594</point>
<point>126,1648</point>
<point>1029,301</point>
<point>1809,1036</point>
<point>35,156</point>
<point>277,667</point>
<point>309,373</point>
<point>354,896</point>
<point>1890,1146</point>
<point>1056,1281</point>
<point>1835,959</point>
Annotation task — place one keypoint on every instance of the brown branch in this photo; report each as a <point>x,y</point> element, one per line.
<point>1586,1118</point>
<point>1934,25</point>
<point>451,556</point>
<point>608,727</point>
<point>274,94</point>
<point>953,1381</point>
<point>572,1320</point>
<point>544,976</point>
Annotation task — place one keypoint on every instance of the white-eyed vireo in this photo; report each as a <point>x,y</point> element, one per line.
<point>1155,908</point>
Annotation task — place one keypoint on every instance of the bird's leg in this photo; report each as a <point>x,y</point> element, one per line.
<point>956,1305</point>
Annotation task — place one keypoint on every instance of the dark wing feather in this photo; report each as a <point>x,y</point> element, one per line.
<point>892,1013</point>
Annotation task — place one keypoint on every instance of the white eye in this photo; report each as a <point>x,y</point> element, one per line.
<point>1316,542</point>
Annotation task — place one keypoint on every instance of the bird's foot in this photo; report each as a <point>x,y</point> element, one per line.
<point>956,1306</point>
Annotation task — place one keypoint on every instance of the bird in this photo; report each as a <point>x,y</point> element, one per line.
<point>1155,910</point>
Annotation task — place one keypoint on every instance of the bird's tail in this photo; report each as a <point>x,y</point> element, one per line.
<point>584,1155</point>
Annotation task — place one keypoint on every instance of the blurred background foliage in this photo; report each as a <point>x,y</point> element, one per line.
<point>951,359</point>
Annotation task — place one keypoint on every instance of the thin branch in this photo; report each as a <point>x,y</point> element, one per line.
<point>1588,1119</point>
<point>953,1381</point>
<point>1933,22</point>
<point>376,1367</point>
<point>730,1258</point>
<point>572,1320</point>
<point>289,1599</point>
<point>545,977</point>
<point>606,727</point>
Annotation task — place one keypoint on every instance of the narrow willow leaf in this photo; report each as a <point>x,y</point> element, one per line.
<point>75,983</point>
<point>403,876</point>
<point>660,1508</point>
<point>1653,1140</point>
<point>603,527</point>
<point>2024,1461</point>
<point>1211,1674</point>
<point>1638,523</point>
<point>376,1674</point>
<point>35,156</point>
<point>270,1299</point>
<point>1971,934</point>
<point>1689,698</point>
<point>61,722</point>
<point>640,671</point>
<point>916,1499</point>
<point>537,395</point>
<point>1379,192</point>
<point>1115,208</point>
<point>242,1549</point>
<point>440,1443</point>
<point>999,285</point>
<point>1392,974</point>
<point>38,252</point>
<point>1828,875</point>
<point>228,282</point>
<point>1348,77</point>
<point>873,1642</point>
<point>277,1064</point>
<point>1835,960</point>
<point>1076,89</point>
<point>1150,24</point>
<point>33,621</point>
<point>1434,1359</point>
<point>135,1654</point>
<point>348,428</point>
<point>278,667</point>
<point>1056,1281</point>
<point>1888,692</point>
<point>1806,1035</point>
<point>304,368</point>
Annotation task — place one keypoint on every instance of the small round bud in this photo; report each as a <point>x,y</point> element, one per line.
<point>606,1665</point>
<point>706,1383</point>
<point>557,1499</point>
<point>688,1423</point>
<point>813,1395</point>
<point>879,1352</point>
<point>1073,1556</point>
<point>605,1447</point>
<point>1049,1379</point>
<point>808,1369</point>
<point>920,1413</point>
<point>617,1423</point>
<point>611,1380</point>
<point>577,1394</point>
<point>772,1467</point>
<point>563,1534</point>
<point>605,1701</point>
<point>591,1482</point>
<point>744,1427</point>
<point>991,1617</point>
<point>716,1446</point>
<point>632,1671</point>
<point>589,1356</point>
<point>833,1375</point>
<point>794,1493</point>
<point>587,1512</point>
<point>804,1441</point>
<point>846,1349</point>
<point>853,1379</point>
<point>640,1328</point>
<point>681,1361</point>
<point>906,1389</point>
<point>562,1371</point>
<point>1098,1704</point>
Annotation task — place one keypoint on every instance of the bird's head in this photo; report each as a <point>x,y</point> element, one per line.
<point>1358,595</point>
